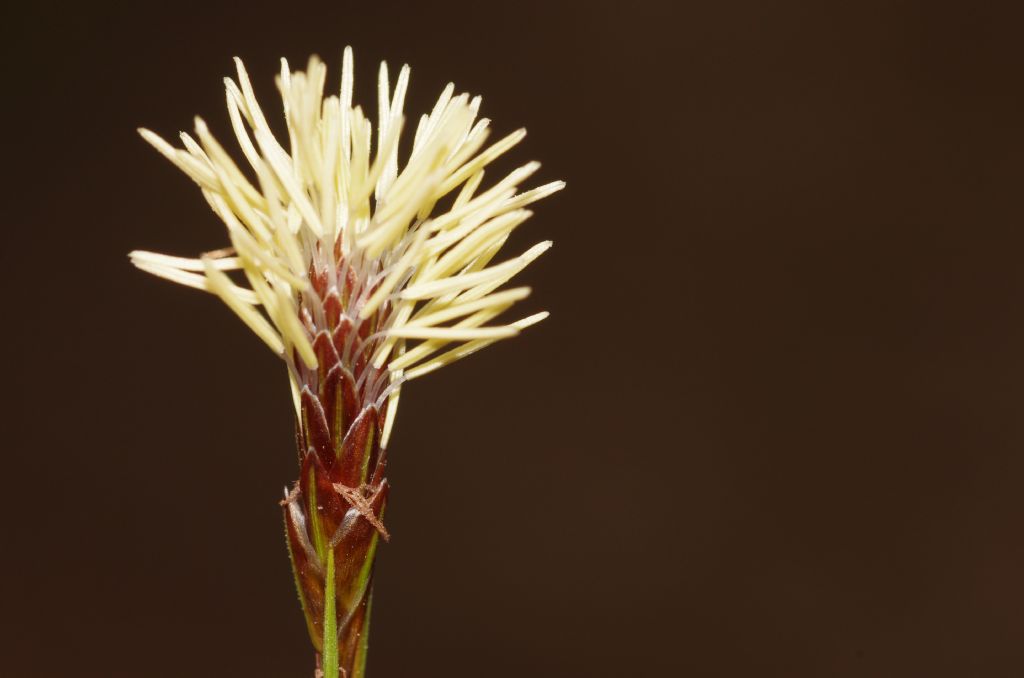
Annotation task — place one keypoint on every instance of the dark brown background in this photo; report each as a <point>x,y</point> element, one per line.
<point>773,427</point>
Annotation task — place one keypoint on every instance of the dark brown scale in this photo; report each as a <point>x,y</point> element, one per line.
<point>326,355</point>
<point>333,309</point>
<point>318,434</point>
<point>318,279</point>
<point>356,449</point>
<point>340,336</point>
<point>338,397</point>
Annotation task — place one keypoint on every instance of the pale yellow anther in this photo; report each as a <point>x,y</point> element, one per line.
<point>339,196</point>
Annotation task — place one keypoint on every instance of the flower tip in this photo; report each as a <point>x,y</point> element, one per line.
<point>142,260</point>
<point>531,320</point>
<point>155,140</point>
<point>243,76</point>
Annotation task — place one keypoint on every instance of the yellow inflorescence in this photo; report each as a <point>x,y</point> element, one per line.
<point>328,202</point>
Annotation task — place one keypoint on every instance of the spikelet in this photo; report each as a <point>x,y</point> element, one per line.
<point>361,275</point>
<point>328,208</point>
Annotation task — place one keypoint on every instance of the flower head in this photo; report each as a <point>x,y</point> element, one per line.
<point>340,258</point>
<point>361,276</point>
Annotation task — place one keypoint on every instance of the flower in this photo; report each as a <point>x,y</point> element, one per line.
<point>361,276</point>
<point>328,230</point>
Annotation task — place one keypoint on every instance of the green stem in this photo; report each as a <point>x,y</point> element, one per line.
<point>330,623</point>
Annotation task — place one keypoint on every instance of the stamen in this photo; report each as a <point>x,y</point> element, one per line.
<point>327,214</point>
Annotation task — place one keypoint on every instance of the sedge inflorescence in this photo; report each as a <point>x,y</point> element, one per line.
<point>361,275</point>
<point>336,244</point>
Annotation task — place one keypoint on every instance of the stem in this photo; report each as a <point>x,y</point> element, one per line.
<point>330,622</point>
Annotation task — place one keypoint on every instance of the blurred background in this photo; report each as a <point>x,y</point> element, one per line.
<point>773,426</point>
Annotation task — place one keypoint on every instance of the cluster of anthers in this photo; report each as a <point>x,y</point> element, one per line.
<point>337,256</point>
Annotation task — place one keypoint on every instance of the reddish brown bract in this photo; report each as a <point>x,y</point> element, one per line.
<point>338,502</point>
